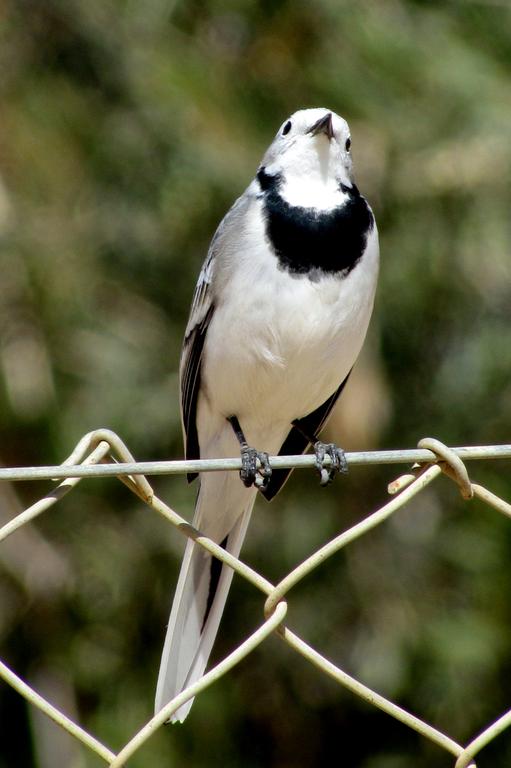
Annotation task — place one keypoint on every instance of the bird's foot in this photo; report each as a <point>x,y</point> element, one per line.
<point>250,473</point>
<point>338,463</point>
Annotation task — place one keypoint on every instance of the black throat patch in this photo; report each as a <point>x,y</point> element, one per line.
<point>309,242</point>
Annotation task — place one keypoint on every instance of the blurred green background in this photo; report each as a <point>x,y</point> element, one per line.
<point>127,129</point>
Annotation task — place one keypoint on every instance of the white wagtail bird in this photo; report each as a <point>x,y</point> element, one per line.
<point>278,318</point>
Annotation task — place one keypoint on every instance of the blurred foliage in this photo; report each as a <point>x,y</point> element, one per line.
<point>128,128</point>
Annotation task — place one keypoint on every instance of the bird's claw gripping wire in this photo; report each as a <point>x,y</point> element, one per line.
<point>338,463</point>
<point>250,473</point>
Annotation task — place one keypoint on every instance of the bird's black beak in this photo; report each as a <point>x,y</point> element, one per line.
<point>323,125</point>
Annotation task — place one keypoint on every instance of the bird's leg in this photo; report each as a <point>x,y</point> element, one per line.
<point>250,474</point>
<point>338,463</point>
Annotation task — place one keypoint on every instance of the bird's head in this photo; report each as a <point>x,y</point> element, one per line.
<point>311,147</point>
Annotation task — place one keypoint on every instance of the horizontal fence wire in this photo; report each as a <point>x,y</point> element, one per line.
<point>102,453</point>
<point>180,467</point>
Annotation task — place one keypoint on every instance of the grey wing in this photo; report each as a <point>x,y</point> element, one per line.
<point>191,357</point>
<point>203,307</point>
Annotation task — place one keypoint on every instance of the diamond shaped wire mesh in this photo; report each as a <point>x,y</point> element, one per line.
<point>103,453</point>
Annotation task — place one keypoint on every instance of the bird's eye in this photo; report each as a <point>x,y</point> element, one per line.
<point>286,128</point>
<point>348,144</point>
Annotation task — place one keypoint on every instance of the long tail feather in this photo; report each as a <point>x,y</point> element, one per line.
<point>202,588</point>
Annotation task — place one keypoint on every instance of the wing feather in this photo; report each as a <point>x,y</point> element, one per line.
<point>201,312</point>
<point>191,358</point>
<point>296,442</point>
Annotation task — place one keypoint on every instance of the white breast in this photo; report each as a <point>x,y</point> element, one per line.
<point>279,344</point>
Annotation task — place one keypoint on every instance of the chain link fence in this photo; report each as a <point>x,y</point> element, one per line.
<point>102,453</point>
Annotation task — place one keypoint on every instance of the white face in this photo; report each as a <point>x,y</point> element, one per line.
<point>313,158</point>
